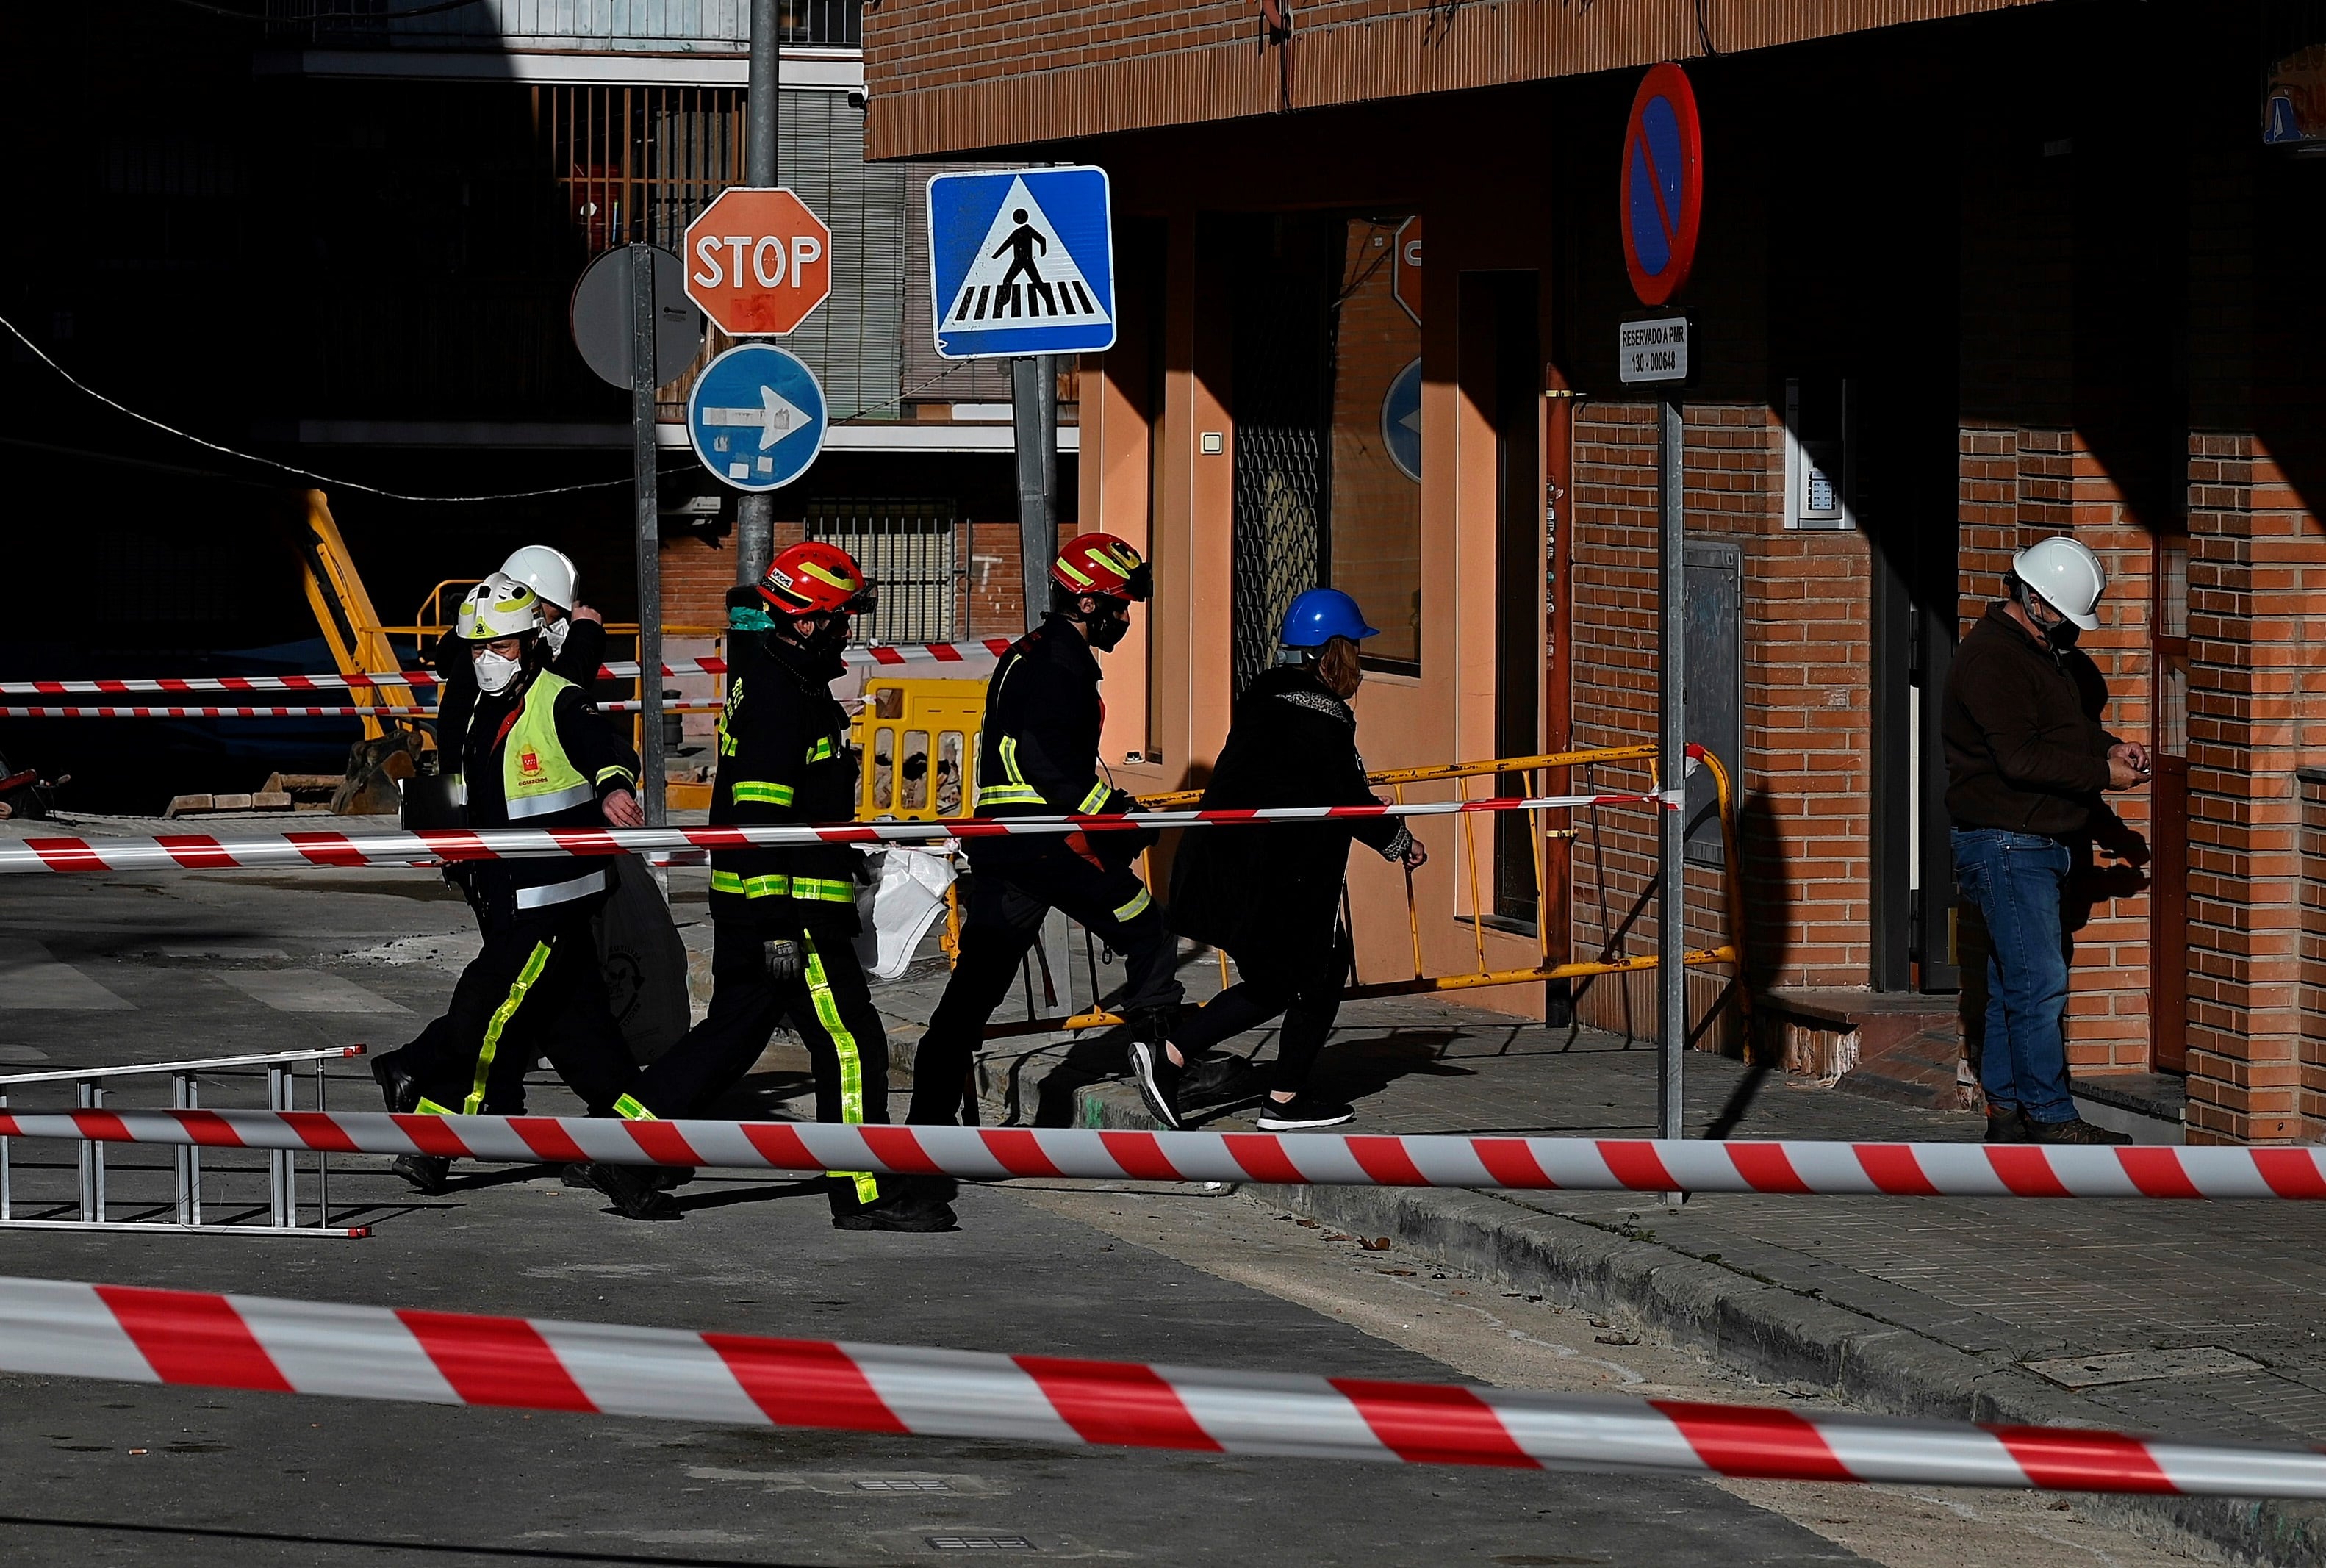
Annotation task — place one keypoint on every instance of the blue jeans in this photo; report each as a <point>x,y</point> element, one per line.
<point>2015,879</point>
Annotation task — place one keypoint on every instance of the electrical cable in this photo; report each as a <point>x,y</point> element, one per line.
<point>119,407</point>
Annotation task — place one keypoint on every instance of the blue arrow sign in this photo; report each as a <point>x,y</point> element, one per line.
<point>1402,422</point>
<point>1021,261</point>
<point>757,417</point>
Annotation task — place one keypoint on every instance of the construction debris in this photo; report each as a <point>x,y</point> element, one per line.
<point>24,792</point>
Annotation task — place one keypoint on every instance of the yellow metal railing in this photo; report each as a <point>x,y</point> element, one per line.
<point>1536,769</point>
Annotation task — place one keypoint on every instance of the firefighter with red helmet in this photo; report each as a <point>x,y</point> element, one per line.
<point>785,918</point>
<point>1038,757</point>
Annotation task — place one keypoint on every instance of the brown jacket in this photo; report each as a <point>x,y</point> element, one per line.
<point>2025,747</point>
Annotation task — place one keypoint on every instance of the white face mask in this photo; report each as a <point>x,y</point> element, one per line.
<point>554,635</point>
<point>495,671</point>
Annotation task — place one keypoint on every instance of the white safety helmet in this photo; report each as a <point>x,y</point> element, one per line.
<point>2067,574</point>
<point>548,572</point>
<point>500,606</point>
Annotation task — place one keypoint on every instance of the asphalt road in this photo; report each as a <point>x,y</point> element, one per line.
<point>119,968</point>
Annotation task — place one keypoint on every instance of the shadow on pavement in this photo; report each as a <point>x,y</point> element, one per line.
<point>513,1553</point>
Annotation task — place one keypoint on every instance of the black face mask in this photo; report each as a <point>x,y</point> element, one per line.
<point>826,646</point>
<point>1105,631</point>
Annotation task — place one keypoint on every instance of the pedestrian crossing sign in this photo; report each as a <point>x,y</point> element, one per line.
<point>1021,261</point>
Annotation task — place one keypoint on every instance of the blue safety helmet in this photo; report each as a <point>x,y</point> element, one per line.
<point>1320,615</point>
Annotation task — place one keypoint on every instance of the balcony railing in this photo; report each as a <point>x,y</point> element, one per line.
<point>682,26</point>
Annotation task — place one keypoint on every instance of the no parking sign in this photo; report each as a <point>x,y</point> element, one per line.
<point>1663,184</point>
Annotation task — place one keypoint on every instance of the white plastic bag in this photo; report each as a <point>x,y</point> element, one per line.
<point>907,900</point>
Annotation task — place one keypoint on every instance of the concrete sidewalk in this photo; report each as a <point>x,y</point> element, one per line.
<point>2195,1320</point>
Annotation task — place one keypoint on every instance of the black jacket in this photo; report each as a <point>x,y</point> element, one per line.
<point>2021,724</point>
<point>782,758</point>
<point>595,751</point>
<point>1276,891</point>
<point>1037,754</point>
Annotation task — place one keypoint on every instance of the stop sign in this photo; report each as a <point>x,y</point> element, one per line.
<point>758,262</point>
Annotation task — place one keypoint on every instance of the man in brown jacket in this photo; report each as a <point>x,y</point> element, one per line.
<point>2026,761</point>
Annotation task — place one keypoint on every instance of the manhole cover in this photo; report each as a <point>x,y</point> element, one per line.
<point>904,1484</point>
<point>982,1543</point>
<point>2140,1366</point>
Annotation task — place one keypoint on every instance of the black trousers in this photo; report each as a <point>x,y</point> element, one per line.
<point>829,1004</point>
<point>1006,905</point>
<point>1306,989</point>
<point>536,989</point>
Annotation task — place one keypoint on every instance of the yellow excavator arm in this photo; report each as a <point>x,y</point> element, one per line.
<point>335,591</point>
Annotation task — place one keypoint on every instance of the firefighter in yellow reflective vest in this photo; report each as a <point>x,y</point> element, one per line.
<point>1038,757</point>
<point>785,918</point>
<point>536,755</point>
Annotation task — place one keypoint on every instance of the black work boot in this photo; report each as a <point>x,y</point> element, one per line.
<point>1225,1079</point>
<point>2075,1130</point>
<point>664,1177</point>
<point>2007,1124</point>
<point>397,1084</point>
<point>911,1209</point>
<point>636,1194</point>
<point>428,1172</point>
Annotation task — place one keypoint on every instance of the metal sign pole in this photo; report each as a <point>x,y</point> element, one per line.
<point>755,516</point>
<point>652,787</point>
<point>1034,411</point>
<point>1671,936</point>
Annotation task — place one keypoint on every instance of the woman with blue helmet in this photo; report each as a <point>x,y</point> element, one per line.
<point>1270,897</point>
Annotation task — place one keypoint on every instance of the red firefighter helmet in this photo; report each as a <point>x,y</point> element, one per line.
<point>816,578</point>
<point>1104,566</point>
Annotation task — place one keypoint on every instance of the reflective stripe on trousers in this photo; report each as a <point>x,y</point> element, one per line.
<point>851,1064</point>
<point>778,885</point>
<point>535,963</point>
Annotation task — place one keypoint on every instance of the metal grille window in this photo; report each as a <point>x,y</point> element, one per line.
<point>1281,414</point>
<point>559,23</point>
<point>639,163</point>
<point>912,550</point>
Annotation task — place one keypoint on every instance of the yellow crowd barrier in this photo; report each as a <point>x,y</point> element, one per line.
<point>1535,770</point>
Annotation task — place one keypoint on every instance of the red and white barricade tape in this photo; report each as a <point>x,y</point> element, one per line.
<point>621,670</point>
<point>135,1334</point>
<point>201,852</point>
<point>350,710</point>
<point>1300,1159</point>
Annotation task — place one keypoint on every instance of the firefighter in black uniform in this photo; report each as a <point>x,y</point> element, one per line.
<point>1038,757</point>
<point>536,755</point>
<point>785,918</point>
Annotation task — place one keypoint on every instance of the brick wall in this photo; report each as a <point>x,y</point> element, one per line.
<point>997,581</point>
<point>697,572</point>
<point>2020,484</point>
<point>2255,567</point>
<point>1802,800</point>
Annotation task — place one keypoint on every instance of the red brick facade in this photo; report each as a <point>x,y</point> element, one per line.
<point>2068,292</point>
<point>949,75</point>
